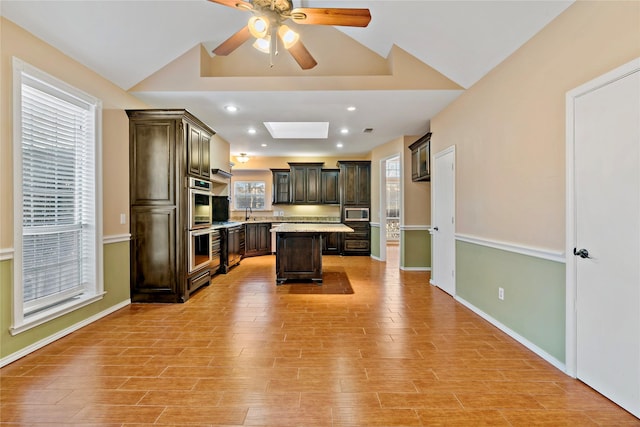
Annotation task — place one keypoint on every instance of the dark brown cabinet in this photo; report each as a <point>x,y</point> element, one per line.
<point>199,146</point>
<point>305,183</point>
<point>298,256</point>
<point>330,187</point>
<point>159,150</point>
<point>281,186</point>
<point>358,242</point>
<point>355,182</point>
<point>331,243</point>
<point>233,246</point>
<point>420,158</point>
<point>257,239</point>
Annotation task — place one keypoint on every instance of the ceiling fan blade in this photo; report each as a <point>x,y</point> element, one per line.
<point>236,4</point>
<point>331,16</point>
<point>233,42</point>
<point>302,56</point>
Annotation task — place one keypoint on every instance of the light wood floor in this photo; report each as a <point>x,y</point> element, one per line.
<point>395,352</point>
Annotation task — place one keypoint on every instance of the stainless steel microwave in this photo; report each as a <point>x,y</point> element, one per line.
<point>356,214</point>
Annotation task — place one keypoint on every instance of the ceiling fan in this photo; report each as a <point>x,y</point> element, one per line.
<point>267,26</point>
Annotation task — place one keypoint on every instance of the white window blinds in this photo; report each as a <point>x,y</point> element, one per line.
<point>58,157</point>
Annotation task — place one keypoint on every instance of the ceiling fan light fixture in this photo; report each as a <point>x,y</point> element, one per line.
<point>288,36</point>
<point>258,26</point>
<point>263,44</point>
<point>242,158</point>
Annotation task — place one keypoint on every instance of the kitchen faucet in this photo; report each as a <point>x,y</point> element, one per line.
<point>246,215</point>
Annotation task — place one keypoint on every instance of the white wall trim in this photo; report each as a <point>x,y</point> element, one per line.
<point>415,227</point>
<point>525,342</point>
<point>376,258</point>
<point>51,338</point>
<point>116,238</point>
<point>415,268</point>
<point>547,254</point>
<point>6,254</point>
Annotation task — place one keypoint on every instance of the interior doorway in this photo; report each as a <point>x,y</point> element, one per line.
<point>390,209</point>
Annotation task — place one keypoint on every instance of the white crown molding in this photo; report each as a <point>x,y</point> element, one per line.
<point>512,247</point>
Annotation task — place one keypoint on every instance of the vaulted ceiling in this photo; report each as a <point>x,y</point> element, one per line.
<point>412,60</point>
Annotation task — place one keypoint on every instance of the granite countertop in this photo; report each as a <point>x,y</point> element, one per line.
<point>312,228</point>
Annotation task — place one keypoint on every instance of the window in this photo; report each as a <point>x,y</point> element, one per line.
<point>57,198</point>
<point>249,194</point>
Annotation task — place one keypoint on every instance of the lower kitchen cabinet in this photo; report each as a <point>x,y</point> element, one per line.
<point>358,242</point>
<point>233,245</point>
<point>257,239</point>
<point>331,243</point>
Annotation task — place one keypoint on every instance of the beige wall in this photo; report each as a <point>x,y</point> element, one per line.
<point>19,43</point>
<point>509,128</point>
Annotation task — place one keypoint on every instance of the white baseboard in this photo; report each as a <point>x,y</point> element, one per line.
<point>51,338</point>
<point>522,340</point>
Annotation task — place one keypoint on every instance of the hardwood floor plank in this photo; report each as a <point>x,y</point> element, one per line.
<point>245,352</point>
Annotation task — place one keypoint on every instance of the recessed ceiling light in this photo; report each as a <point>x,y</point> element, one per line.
<point>339,145</point>
<point>231,108</point>
<point>344,130</point>
<point>352,108</point>
<point>252,131</point>
<point>263,145</point>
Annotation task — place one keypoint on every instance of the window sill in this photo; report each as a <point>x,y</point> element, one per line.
<point>60,310</point>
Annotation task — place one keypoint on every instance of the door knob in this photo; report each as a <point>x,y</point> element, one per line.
<point>582,253</point>
<point>436,228</point>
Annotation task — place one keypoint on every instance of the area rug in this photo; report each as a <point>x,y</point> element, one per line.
<point>334,281</point>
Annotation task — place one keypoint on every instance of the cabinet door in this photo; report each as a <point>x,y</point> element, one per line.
<point>330,187</point>
<point>313,181</point>
<point>305,184</point>
<point>349,184</point>
<point>194,150</point>
<point>154,261</point>
<point>152,162</point>
<point>263,238</point>
<point>251,239</point>
<point>364,184</point>
<point>280,187</point>
<point>331,243</point>
<point>205,155</point>
<point>415,165</point>
<point>298,185</point>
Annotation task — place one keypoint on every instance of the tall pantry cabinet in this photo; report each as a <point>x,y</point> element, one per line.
<point>160,144</point>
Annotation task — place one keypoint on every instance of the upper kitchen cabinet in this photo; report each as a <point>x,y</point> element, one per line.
<point>306,183</point>
<point>281,186</point>
<point>199,147</point>
<point>420,156</point>
<point>330,187</point>
<point>355,182</point>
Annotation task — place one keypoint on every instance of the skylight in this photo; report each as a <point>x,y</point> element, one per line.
<point>298,130</point>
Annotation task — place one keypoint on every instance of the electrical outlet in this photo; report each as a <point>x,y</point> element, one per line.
<point>501,294</point>
<point>123,218</point>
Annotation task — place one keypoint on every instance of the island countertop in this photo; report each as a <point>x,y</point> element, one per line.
<point>312,228</point>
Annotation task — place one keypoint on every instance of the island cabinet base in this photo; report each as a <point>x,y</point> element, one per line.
<point>298,257</point>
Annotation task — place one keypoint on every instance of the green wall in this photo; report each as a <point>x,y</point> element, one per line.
<point>116,286</point>
<point>534,292</point>
<point>415,251</point>
<point>375,241</point>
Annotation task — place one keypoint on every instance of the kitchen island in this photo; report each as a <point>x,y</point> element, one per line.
<point>299,250</point>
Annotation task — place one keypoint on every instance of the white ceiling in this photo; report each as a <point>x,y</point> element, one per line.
<point>128,41</point>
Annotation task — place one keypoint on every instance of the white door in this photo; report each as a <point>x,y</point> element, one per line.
<point>443,221</point>
<point>606,213</point>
